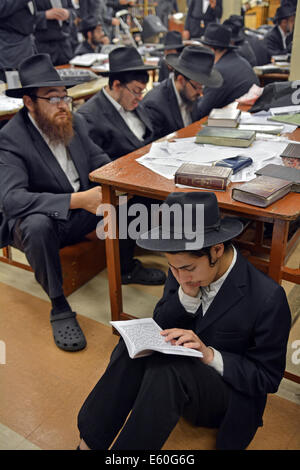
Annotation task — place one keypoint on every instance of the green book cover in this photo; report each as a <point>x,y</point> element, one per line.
<point>225,136</point>
<point>293,119</point>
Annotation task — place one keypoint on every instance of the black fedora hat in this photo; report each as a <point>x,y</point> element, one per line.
<point>126,59</point>
<point>237,33</point>
<point>217,35</point>
<point>89,23</point>
<point>37,71</point>
<point>173,40</point>
<point>283,12</point>
<point>183,230</point>
<point>196,63</point>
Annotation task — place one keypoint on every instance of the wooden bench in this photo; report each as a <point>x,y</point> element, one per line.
<point>80,262</point>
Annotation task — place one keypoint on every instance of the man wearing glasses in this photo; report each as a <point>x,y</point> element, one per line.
<point>172,104</point>
<point>118,123</point>
<point>116,120</point>
<point>46,198</point>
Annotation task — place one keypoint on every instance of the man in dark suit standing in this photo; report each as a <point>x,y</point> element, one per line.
<point>46,198</point>
<point>200,14</point>
<point>17,20</point>
<point>279,40</point>
<point>172,104</point>
<point>53,29</point>
<point>238,75</point>
<point>215,302</point>
<point>118,123</point>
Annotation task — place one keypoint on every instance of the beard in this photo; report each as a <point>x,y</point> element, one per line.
<point>186,101</point>
<point>59,130</point>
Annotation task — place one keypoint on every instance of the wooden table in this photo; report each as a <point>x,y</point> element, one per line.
<point>125,174</point>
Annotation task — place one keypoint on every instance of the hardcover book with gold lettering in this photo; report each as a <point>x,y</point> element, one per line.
<point>203,176</point>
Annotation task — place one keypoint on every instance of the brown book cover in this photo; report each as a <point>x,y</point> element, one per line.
<point>203,176</point>
<point>262,191</point>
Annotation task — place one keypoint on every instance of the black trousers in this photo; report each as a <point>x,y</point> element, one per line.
<point>157,390</point>
<point>40,237</point>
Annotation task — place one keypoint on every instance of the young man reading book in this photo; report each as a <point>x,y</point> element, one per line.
<point>215,302</point>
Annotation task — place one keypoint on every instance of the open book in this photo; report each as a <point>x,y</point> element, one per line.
<point>142,337</point>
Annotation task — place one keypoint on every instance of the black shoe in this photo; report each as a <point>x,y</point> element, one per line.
<point>146,276</point>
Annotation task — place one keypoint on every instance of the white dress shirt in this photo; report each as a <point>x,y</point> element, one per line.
<point>185,113</point>
<point>205,297</point>
<point>130,117</point>
<point>61,155</point>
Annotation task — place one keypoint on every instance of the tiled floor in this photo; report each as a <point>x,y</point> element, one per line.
<point>42,387</point>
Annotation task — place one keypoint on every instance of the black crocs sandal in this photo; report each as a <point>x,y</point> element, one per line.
<point>66,331</point>
<point>145,276</point>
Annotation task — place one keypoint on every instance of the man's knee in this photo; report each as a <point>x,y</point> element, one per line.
<point>35,229</point>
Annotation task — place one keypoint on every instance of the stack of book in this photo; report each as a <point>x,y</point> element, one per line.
<point>225,136</point>
<point>262,191</point>
<point>224,117</point>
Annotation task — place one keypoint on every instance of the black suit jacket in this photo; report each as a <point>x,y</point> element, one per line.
<point>162,106</point>
<point>274,43</point>
<point>249,323</point>
<point>32,180</point>
<point>195,17</point>
<point>238,78</point>
<point>109,130</point>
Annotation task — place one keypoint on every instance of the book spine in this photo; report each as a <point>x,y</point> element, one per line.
<point>209,182</point>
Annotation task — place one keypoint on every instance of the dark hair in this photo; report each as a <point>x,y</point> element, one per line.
<point>127,77</point>
<point>31,93</point>
<point>203,252</point>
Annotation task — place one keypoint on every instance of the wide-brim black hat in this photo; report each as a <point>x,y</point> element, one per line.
<point>190,221</point>
<point>283,12</point>
<point>196,63</point>
<point>172,40</point>
<point>217,35</point>
<point>237,33</point>
<point>126,59</point>
<point>37,71</point>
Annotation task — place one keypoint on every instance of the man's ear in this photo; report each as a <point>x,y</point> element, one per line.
<point>28,102</point>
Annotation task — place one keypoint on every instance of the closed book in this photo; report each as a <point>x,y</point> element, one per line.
<point>293,119</point>
<point>283,172</point>
<point>261,191</point>
<point>237,163</point>
<point>225,136</point>
<point>202,176</point>
<point>274,129</point>
<point>224,117</point>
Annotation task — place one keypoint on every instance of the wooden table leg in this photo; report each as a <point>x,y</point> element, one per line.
<point>113,260</point>
<point>278,249</point>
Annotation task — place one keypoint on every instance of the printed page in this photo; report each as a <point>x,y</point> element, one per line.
<point>144,335</point>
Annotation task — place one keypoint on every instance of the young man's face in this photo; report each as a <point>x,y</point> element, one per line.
<point>97,35</point>
<point>191,90</point>
<point>129,95</point>
<point>193,271</point>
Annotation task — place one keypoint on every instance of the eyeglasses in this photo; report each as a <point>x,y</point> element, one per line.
<point>136,94</point>
<point>56,99</point>
<point>198,88</point>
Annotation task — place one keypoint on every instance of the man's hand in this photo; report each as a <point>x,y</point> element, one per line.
<point>59,14</point>
<point>188,339</point>
<point>185,35</point>
<point>89,200</point>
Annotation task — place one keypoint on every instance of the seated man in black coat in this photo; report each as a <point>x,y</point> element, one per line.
<point>46,198</point>
<point>172,45</point>
<point>279,40</point>
<point>215,302</point>
<point>94,36</point>
<point>119,124</point>
<point>237,73</point>
<point>239,39</point>
<point>172,104</point>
